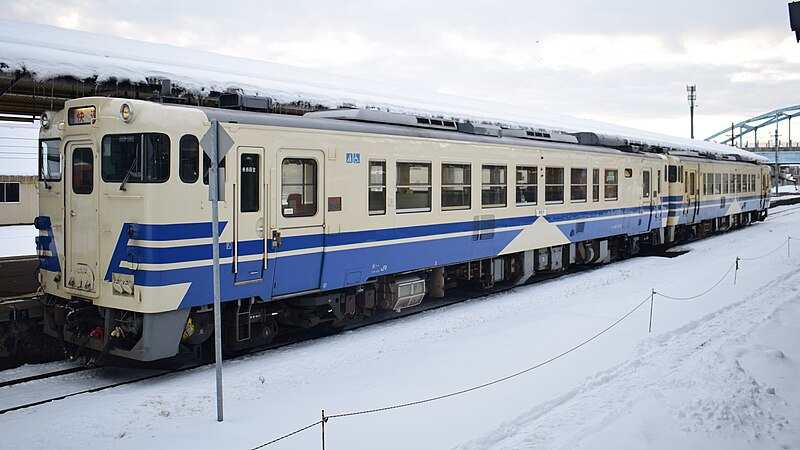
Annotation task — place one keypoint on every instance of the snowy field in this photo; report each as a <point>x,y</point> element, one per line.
<point>719,371</point>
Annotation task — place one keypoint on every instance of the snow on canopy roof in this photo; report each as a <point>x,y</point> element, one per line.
<point>49,52</point>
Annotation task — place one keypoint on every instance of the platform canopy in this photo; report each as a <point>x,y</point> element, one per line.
<point>42,66</point>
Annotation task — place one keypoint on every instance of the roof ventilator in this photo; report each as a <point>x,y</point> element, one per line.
<point>479,129</point>
<point>242,102</point>
<point>384,117</point>
<point>540,135</point>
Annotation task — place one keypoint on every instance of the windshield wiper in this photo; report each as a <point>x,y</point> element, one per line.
<point>129,172</point>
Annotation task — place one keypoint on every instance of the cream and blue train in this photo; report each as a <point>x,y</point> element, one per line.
<point>335,215</point>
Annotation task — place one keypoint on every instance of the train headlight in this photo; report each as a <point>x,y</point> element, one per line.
<point>46,120</point>
<point>126,112</point>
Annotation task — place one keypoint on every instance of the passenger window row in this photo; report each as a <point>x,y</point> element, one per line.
<point>414,187</point>
<point>725,183</point>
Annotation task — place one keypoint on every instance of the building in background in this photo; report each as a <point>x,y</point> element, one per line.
<point>19,200</point>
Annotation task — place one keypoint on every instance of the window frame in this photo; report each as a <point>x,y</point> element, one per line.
<point>572,185</point>
<point>371,186</point>
<point>595,185</point>
<point>550,186</point>
<point>465,185</point>
<point>91,173</point>
<point>607,185</point>
<point>534,185</point>
<point>195,156</point>
<point>42,165</point>
<point>303,184</point>
<point>414,187</point>
<point>491,187</point>
<point>4,193</point>
<point>141,163</point>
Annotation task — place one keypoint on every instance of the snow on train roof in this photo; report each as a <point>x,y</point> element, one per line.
<point>49,52</point>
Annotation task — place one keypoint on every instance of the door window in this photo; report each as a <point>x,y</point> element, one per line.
<point>299,187</point>
<point>82,171</point>
<point>250,183</point>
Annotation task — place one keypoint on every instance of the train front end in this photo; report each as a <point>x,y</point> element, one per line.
<point>106,166</point>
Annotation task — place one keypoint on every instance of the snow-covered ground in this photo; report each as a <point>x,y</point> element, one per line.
<point>718,371</point>
<point>17,240</point>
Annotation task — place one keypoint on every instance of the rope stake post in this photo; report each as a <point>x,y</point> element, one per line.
<point>735,273</point>
<point>652,297</point>
<point>324,419</point>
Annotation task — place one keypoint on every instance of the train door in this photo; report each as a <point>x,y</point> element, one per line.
<point>692,197</point>
<point>249,228</point>
<point>297,238</point>
<point>81,219</point>
<point>648,197</point>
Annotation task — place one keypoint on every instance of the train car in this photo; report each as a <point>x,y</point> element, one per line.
<point>332,216</point>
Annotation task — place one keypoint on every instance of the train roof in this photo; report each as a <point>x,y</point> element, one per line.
<point>49,52</point>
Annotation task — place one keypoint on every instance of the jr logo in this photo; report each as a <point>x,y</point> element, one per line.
<point>353,158</point>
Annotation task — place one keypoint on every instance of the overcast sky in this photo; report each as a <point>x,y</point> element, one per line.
<point>626,62</point>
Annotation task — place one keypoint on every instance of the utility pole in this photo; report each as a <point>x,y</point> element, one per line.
<point>692,96</point>
<point>733,135</point>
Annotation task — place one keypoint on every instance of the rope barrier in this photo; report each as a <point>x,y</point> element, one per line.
<point>764,256</point>
<point>701,294</point>
<point>499,380</point>
<point>289,434</point>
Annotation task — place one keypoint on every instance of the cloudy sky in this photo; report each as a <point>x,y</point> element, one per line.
<point>626,62</point>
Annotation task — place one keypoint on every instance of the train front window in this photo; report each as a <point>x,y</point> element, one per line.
<point>49,160</point>
<point>136,158</point>
<point>82,171</point>
<point>189,154</point>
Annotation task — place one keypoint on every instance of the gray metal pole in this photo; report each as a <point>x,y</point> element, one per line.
<point>213,184</point>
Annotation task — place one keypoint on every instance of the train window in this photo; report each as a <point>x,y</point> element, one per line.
<point>554,185</point>
<point>658,185</point>
<point>49,160</point>
<point>299,187</point>
<point>595,185</point>
<point>9,192</point>
<point>672,172</point>
<point>377,188</point>
<point>527,185</point>
<point>136,158</point>
<point>646,184</point>
<point>82,171</point>
<point>413,187</point>
<point>680,174</point>
<point>739,183</point>
<point>207,168</point>
<point>494,189</point>
<point>456,186</point>
<point>612,184</point>
<point>189,155</point>
<point>753,183</point>
<point>578,185</point>
<point>725,183</point>
<point>717,183</point>
<point>250,180</point>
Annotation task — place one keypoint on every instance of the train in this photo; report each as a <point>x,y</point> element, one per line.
<point>337,215</point>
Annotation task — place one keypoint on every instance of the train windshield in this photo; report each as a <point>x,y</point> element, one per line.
<point>136,158</point>
<point>49,160</point>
